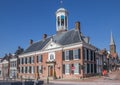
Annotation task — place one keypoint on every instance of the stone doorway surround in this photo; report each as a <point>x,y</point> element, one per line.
<point>51,69</point>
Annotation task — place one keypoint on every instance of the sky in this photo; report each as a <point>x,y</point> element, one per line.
<point>22,20</point>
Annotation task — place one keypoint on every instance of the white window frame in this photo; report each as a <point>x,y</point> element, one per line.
<point>20,60</point>
<point>77,69</point>
<point>28,69</point>
<point>90,68</point>
<point>32,68</point>
<point>40,56</point>
<point>89,53</point>
<point>40,69</point>
<point>20,69</point>
<point>76,52</point>
<point>67,54</point>
<point>24,60</point>
<point>32,59</point>
<point>85,68</point>
<point>28,60</point>
<point>24,69</point>
<point>67,68</point>
<point>49,56</point>
<point>85,53</point>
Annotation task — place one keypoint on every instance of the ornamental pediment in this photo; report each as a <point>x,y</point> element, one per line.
<point>51,45</point>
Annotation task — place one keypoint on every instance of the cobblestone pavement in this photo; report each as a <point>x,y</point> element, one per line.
<point>112,79</point>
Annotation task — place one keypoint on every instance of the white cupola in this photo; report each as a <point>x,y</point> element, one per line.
<point>61,20</point>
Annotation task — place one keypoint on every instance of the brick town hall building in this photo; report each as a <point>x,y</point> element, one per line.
<point>67,54</point>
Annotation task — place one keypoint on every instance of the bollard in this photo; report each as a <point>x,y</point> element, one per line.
<point>47,80</point>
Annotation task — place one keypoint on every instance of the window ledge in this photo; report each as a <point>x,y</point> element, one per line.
<point>67,73</point>
<point>76,73</point>
<point>67,60</point>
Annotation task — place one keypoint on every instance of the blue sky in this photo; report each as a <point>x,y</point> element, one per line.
<point>22,20</point>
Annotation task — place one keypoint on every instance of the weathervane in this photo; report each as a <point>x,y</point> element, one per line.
<point>61,2</point>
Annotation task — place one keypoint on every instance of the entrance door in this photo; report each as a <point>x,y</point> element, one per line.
<point>51,71</point>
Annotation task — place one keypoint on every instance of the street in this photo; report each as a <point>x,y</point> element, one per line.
<point>112,79</point>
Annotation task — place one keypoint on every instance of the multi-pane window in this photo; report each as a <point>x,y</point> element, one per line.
<point>66,55</point>
<point>32,67</point>
<point>51,57</point>
<point>85,54</point>
<point>39,58</point>
<point>91,68</point>
<point>13,64</point>
<point>91,52</point>
<point>20,70</point>
<point>28,60</point>
<point>20,60</point>
<point>76,68</point>
<point>39,69</point>
<point>93,55</point>
<point>67,68</point>
<point>24,61</point>
<point>85,68</point>
<point>32,59</point>
<point>88,68</point>
<point>28,69</point>
<point>24,69</point>
<point>89,55</point>
<point>76,53</point>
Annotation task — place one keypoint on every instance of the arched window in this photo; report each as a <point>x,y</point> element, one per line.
<point>58,20</point>
<point>62,20</point>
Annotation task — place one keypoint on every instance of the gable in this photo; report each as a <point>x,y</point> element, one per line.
<point>5,61</point>
<point>51,45</point>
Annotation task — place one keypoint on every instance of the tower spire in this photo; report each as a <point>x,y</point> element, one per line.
<point>112,44</point>
<point>112,40</point>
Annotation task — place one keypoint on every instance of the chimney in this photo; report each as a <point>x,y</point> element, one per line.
<point>31,41</point>
<point>77,25</point>
<point>44,36</point>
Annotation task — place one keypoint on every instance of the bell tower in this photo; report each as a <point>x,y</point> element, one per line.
<point>61,20</point>
<point>112,44</point>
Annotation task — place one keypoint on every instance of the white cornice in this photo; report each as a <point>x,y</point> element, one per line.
<point>4,62</point>
<point>89,46</point>
<point>13,59</point>
<point>64,47</point>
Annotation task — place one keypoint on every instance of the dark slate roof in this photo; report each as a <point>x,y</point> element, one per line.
<point>68,37</point>
<point>37,46</point>
<point>63,38</point>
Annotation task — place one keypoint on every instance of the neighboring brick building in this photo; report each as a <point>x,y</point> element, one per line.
<point>67,54</point>
<point>0,68</point>
<point>113,59</point>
